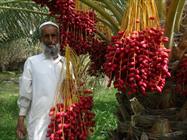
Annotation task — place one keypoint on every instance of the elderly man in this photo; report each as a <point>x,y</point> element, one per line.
<point>38,84</point>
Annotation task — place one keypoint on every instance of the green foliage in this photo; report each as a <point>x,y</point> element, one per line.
<point>4,76</point>
<point>8,116</point>
<point>104,108</point>
<point>8,105</point>
<point>13,53</point>
<point>19,18</point>
<point>109,12</point>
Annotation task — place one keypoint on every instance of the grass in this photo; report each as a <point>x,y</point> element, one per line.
<point>8,105</point>
<point>104,107</point>
<point>8,116</point>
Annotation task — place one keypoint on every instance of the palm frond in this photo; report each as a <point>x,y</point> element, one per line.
<point>109,13</point>
<point>173,20</point>
<point>19,18</point>
<point>104,12</point>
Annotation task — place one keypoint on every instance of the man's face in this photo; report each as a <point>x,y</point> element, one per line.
<point>49,35</point>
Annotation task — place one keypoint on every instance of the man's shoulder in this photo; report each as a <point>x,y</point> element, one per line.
<point>36,57</point>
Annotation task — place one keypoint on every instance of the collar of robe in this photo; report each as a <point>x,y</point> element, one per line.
<point>57,60</point>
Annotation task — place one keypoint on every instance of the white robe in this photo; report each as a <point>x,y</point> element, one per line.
<point>38,87</point>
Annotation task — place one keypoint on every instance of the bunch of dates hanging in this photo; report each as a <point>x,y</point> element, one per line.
<point>73,123</point>
<point>77,28</point>
<point>97,57</point>
<point>138,62</point>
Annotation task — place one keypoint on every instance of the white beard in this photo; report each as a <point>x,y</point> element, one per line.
<point>52,51</point>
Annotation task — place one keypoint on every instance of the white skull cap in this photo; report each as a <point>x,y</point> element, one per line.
<point>48,23</point>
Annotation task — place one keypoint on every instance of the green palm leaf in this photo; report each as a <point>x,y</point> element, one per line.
<point>19,18</point>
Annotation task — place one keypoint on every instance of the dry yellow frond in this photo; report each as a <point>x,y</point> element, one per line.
<point>140,14</point>
<point>76,72</point>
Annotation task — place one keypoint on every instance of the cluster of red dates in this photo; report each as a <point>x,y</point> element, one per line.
<point>138,62</point>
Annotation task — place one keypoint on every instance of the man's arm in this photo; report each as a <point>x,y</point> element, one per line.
<point>24,99</point>
<point>21,129</point>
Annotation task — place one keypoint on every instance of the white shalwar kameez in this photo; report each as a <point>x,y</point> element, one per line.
<point>38,87</point>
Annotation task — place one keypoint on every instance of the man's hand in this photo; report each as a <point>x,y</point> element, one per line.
<point>20,129</point>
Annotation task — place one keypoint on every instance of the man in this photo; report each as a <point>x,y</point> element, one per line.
<point>38,84</point>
